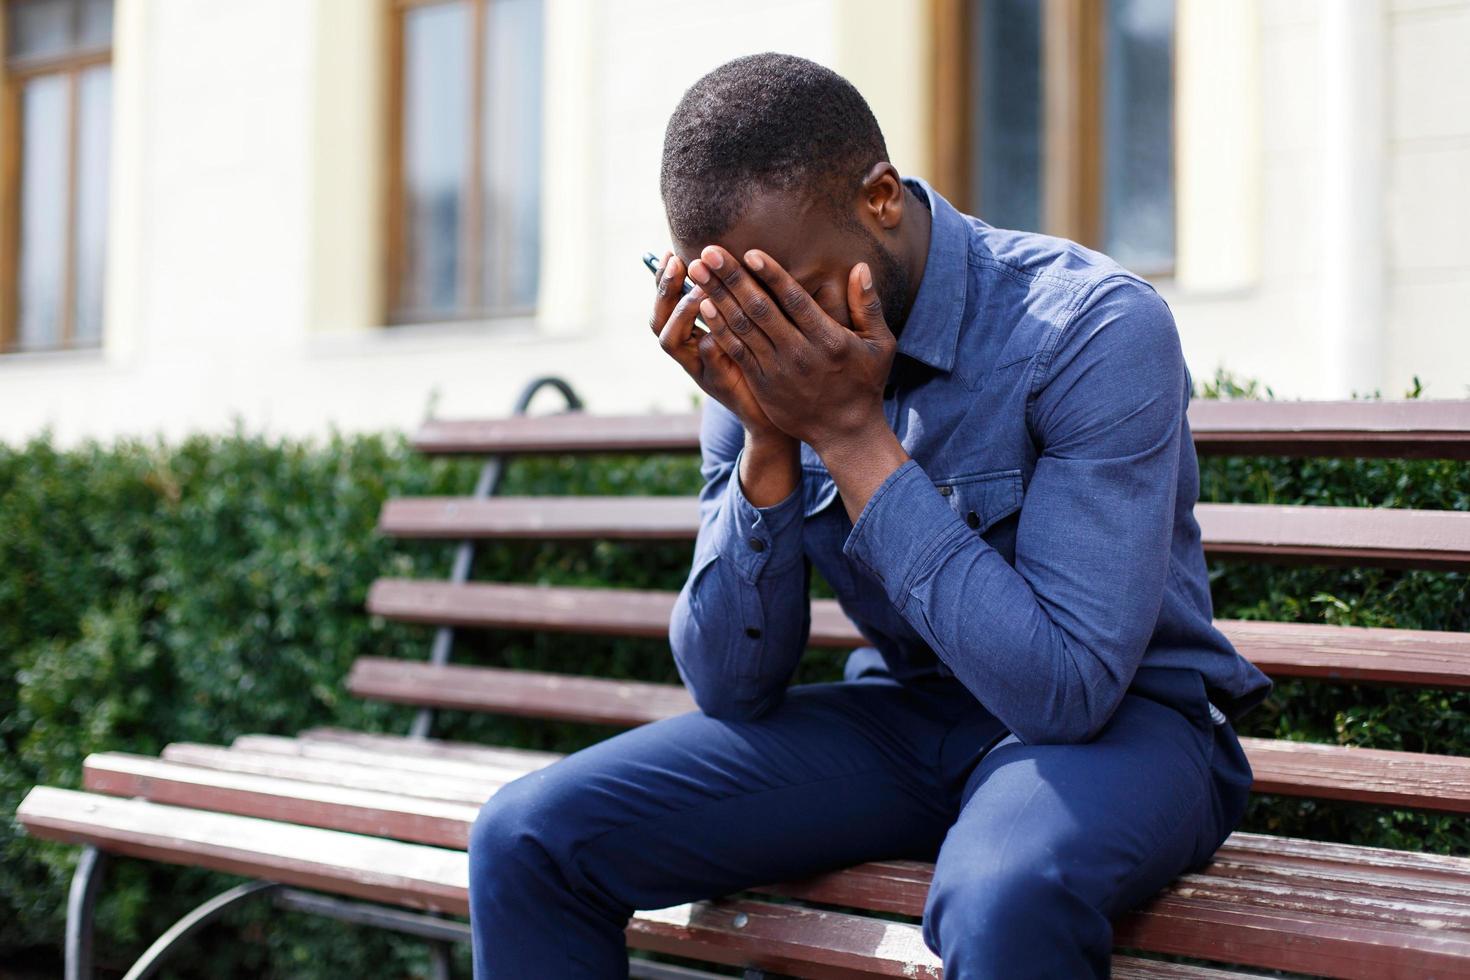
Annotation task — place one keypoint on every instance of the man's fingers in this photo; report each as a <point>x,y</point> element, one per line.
<point>666,291</point>
<point>750,294</point>
<point>721,276</point>
<point>680,324</point>
<point>735,346</point>
<point>803,311</point>
<point>679,336</point>
<point>864,305</point>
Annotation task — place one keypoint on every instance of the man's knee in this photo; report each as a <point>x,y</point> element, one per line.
<point>510,837</point>
<point>1003,903</point>
<point>988,917</point>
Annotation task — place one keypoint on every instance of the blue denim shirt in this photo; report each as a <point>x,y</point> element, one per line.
<point>1040,545</point>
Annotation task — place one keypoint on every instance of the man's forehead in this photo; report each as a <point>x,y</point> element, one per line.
<point>786,225</point>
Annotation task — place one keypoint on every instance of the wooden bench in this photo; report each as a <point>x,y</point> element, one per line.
<point>372,828</point>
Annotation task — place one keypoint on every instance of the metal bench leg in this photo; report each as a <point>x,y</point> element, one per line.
<point>81,902</point>
<point>200,916</point>
<point>487,485</point>
<point>439,961</point>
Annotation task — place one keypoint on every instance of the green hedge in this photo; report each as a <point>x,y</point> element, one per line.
<point>153,593</point>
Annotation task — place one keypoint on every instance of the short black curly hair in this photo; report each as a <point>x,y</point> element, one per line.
<point>765,121</point>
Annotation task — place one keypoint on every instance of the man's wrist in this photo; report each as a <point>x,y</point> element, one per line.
<point>861,459</point>
<point>851,444</point>
<point>769,441</point>
<point>770,467</point>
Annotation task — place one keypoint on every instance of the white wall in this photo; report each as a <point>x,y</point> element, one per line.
<point>246,245</point>
<point>1305,319</point>
<point>1428,194</point>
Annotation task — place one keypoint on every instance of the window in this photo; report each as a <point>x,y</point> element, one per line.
<point>1061,120</point>
<point>466,158</point>
<point>54,160</point>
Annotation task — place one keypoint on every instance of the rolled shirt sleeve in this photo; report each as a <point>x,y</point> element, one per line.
<point>742,618</point>
<point>1051,644</point>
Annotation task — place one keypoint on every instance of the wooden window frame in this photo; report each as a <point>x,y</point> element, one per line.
<point>14,73</point>
<point>470,274</point>
<point>1073,69</point>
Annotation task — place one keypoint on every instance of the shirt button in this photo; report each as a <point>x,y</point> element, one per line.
<point>756,544</point>
<point>972,519</point>
<point>752,632</point>
<point>945,491</point>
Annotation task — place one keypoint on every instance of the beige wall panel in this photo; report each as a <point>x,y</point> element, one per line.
<point>1429,335</point>
<point>1429,82</point>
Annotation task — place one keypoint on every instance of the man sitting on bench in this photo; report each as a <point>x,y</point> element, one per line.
<point>978,437</point>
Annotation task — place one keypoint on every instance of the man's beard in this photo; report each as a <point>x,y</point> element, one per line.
<point>891,280</point>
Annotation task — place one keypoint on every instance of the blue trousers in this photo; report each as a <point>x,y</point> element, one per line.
<point>1036,847</point>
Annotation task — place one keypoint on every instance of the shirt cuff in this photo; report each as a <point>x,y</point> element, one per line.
<point>756,537</point>
<point>904,523</point>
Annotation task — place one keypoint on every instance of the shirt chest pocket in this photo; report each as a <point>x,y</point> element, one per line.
<point>984,501</point>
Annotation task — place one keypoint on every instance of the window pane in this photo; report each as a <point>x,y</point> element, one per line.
<point>512,154</point>
<point>96,25</point>
<point>36,28</point>
<point>94,131</point>
<point>1006,75</point>
<point>43,173</point>
<point>436,101</point>
<point>1138,133</point>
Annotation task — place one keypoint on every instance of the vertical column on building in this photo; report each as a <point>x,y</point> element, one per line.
<point>1353,309</point>
<point>1218,162</point>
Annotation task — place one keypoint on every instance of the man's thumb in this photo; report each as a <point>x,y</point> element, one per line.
<point>863,303</point>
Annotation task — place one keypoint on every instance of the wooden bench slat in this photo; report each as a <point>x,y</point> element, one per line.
<point>849,941</point>
<point>1280,919</point>
<point>1347,653</point>
<point>1378,776</point>
<point>565,432</point>
<point>850,945</point>
<point>1385,896</point>
<point>535,694</point>
<point>1135,968</point>
<point>1372,776</point>
<point>793,939</point>
<point>422,748</point>
<point>1426,658</point>
<point>455,760</point>
<point>378,813</point>
<point>390,774</point>
<point>1409,429</point>
<point>414,875</point>
<point>574,609</point>
<point>900,886</point>
<point>563,518</point>
<point>1380,536</point>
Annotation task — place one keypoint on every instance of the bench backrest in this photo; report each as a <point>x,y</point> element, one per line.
<point>1365,536</point>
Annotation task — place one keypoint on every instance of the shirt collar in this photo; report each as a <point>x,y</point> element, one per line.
<point>932,330</point>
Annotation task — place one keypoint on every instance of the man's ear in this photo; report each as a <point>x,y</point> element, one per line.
<point>883,197</point>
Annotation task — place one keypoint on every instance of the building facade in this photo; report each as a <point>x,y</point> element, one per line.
<point>310,213</point>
